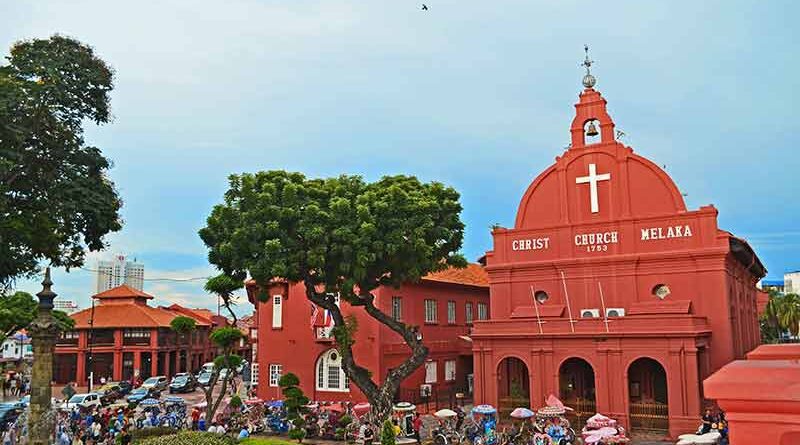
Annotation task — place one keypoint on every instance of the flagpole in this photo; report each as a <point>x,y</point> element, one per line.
<point>536,306</point>
<point>603,303</point>
<point>569,308</point>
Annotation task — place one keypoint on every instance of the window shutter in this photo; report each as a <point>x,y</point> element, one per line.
<point>277,311</point>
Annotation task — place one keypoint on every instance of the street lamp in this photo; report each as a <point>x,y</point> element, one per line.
<point>43,329</point>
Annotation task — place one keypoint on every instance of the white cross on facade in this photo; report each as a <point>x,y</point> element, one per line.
<point>593,179</point>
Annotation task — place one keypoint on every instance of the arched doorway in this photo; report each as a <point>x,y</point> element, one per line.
<point>513,385</point>
<point>647,400</point>
<point>576,389</point>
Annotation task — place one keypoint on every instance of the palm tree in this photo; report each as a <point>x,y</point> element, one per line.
<point>788,313</point>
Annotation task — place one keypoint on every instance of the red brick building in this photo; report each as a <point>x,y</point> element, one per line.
<point>609,292</point>
<point>125,337</point>
<point>293,337</point>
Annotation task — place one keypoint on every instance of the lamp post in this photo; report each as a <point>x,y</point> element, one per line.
<point>43,331</point>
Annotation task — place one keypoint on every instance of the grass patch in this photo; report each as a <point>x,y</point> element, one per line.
<point>265,441</point>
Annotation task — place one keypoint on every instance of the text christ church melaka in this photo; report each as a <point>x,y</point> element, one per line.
<point>611,294</point>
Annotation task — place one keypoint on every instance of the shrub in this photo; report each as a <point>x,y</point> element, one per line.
<point>144,433</point>
<point>236,401</point>
<point>190,438</point>
<point>387,434</point>
<point>345,420</point>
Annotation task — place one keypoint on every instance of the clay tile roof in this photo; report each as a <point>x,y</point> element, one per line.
<point>123,291</point>
<point>472,275</point>
<point>123,316</point>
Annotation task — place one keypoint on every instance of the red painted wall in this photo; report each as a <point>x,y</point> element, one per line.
<point>377,348</point>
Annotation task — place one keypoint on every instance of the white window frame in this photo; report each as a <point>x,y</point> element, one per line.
<point>431,309</point>
<point>431,372</point>
<point>275,371</point>
<point>277,311</point>
<point>254,374</point>
<point>451,312</point>
<point>329,373</point>
<point>450,370</point>
<point>483,311</point>
<point>468,315</point>
<point>397,308</point>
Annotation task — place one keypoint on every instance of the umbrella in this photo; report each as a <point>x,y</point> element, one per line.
<point>201,405</point>
<point>522,413</point>
<point>334,407</point>
<point>484,409</point>
<point>174,399</point>
<point>275,403</point>
<point>404,406</point>
<point>255,401</point>
<point>149,402</point>
<point>362,408</point>
<point>445,413</point>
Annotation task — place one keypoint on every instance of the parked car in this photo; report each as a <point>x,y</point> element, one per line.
<point>8,414</point>
<point>158,382</point>
<point>205,378</point>
<point>207,367</point>
<point>23,402</point>
<point>182,383</point>
<point>109,393</point>
<point>86,400</point>
<point>141,393</point>
<point>125,387</point>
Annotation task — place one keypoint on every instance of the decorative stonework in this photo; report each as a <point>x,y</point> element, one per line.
<point>43,332</point>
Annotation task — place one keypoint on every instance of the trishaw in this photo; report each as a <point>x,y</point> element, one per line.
<point>174,412</point>
<point>446,433</point>
<point>403,414</point>
<point>487,425</point>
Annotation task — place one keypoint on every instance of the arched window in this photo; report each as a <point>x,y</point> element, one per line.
<point>330,373</point>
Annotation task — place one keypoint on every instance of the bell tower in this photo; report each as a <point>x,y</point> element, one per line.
<point>590,112</point>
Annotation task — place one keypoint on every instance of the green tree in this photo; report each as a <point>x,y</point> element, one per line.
<point>56,200</point>
<point>20,308</point>
<point>788,312</point>
<point>295,403</point>
<point>183,326</point>
<point>340,236</point>
<point>225,338</point>
<point>769,323</point>
<point>224,286</point>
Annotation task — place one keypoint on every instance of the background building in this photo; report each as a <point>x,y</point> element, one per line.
<point>119,271</point>
<point>791,282</point>
<point>122,337</point>
<point>68,306</point>
<point>294,336</point>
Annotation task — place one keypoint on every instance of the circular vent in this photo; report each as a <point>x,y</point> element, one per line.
<point>334,357</point>
<point>541,296</point>
<point>661,291</point>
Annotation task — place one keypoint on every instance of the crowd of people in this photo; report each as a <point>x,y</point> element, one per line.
<point>14,384</point>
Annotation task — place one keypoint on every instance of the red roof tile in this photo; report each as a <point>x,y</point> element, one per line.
<point>123,291</point>
<point>123,316</point>
<point>472,275</point>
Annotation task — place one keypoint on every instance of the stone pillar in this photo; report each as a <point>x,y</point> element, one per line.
<point>80,373</point>
<point>117,372</point>
<point>153,362</point>
<point>41,420</point>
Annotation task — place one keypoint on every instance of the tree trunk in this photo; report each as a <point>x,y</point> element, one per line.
<point>381,396</point>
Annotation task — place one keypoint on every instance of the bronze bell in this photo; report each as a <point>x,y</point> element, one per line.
<point>591,130</point>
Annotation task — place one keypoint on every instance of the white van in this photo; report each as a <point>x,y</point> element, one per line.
<point>207,367</point>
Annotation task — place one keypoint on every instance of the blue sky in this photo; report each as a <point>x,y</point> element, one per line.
<point>475,94</point>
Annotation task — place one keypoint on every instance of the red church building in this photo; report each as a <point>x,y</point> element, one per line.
<point>295,337</point>
<point>609,292</point>
<point>122,336</point>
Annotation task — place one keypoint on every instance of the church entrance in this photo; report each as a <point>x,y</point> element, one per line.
<point>577,391</point>
<point>513,386</point>
<point>647,386</point>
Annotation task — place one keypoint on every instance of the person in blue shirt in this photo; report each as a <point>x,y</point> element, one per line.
<point>244,434</point>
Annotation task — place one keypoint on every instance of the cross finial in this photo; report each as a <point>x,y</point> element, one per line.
<point>588,79</point>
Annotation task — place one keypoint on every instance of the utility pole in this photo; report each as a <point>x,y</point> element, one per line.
<point>43,329</point>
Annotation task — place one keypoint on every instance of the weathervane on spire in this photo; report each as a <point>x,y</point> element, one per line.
<point>588,79</point>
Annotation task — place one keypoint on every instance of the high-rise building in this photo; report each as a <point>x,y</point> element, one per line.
<point>118,271</point>
<point>67,306</point>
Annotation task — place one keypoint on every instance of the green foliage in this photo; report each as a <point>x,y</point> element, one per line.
<point>224,285</point>
<point>228,361</point>
<point>345,420</point>
<point>139,435</point>
<point>387,433</point>
<point>294,401</point>
<point>781,314</point>
<point>264,441</point>
<point>187,438</point>
<point>226,337</point>
<point>20,308</point>
<point>183,325</point>
<point>236,401</point>
<point>56,199</point>
<point>345,335</point>
<point>338,231</point>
